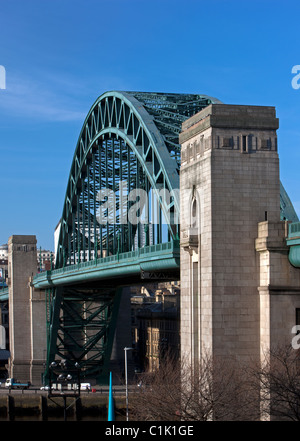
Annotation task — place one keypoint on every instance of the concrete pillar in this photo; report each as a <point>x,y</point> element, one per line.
<point>230,170</point>
<point>38,335</point>
<point>26,320</point>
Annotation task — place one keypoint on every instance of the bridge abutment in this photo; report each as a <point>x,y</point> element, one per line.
<point>27,333</point>
<point>229,182</point>
<point>239,293</point>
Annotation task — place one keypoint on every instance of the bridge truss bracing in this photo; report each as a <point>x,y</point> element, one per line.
<point>128,147</point>
<point>129,142</point>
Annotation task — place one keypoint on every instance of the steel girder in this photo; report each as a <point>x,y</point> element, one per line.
<point>80,327</point>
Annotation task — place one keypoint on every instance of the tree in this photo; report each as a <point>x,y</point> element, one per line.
<point>217,389</point>
<point>279,378</point>
<point>158,396</point>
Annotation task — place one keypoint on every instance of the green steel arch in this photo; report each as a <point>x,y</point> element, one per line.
<point>126,137</point>
<point>130,137</point>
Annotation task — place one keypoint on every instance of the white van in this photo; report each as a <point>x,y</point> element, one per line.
<point>83,386</point>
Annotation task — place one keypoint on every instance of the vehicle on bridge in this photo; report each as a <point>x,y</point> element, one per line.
<point>12,383</point>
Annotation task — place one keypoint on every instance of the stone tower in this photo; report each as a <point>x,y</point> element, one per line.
<point>27,321</point>
<point>229,182</point>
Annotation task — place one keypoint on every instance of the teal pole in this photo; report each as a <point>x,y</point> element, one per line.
<point>111,413</point>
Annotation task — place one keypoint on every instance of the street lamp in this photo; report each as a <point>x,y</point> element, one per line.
<point>126,380</point>
<point>62,371</point>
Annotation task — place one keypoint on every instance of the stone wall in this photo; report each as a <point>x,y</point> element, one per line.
<point>279,286</point>
<point>230,167</point>
<point>27,320</point>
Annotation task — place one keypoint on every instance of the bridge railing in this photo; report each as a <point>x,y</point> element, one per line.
<point>146,251</point>
<point>293,241</point>
<point>294,229</point>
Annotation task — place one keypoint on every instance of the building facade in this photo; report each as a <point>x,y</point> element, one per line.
<point>155,324</point>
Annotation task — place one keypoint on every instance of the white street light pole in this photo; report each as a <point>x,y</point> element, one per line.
<point>126,380</point>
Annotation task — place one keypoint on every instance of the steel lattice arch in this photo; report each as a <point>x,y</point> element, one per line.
<point>131,138</point>
<point>126,137</point>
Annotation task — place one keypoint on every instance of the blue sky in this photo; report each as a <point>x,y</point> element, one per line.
<point>60,55</point>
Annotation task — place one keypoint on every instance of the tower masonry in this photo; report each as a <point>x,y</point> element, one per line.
<point>27,324</point>
<point>229,183</point>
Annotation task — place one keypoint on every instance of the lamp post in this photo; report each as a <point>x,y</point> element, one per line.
<point>62,370</point>
<point>126,380</point>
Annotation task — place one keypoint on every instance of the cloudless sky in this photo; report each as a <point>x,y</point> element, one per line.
<point>60,55</point>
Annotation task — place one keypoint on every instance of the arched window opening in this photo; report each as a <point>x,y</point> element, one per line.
<point>194,215</point>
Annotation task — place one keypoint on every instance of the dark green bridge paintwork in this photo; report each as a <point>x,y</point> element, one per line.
<point>132,137</point>
<point>293,241</point>
<point>152,259</point>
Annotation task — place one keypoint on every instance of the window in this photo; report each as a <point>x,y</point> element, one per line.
<point>194,220</point>
<point>227,142</point>
<point>298,318</point>
<point>244,144</point>
<point>266,144</point>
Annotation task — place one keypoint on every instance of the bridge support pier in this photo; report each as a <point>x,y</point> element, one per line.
<point>27,324</point>
<point>229,186</point>
<point>229,182</point>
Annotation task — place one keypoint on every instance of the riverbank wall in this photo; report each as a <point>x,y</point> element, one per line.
<point>40,407</point>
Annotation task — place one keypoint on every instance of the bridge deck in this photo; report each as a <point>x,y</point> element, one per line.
<point>3,294</point>
<point>151,259</point>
